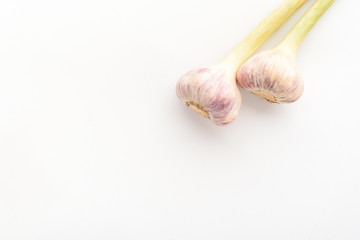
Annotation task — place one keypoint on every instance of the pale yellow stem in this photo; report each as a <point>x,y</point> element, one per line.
<point>262,32</point>
<point>293,40</point>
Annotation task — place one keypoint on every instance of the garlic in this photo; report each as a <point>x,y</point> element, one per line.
<point>212,91</point>
<point>273,74</point>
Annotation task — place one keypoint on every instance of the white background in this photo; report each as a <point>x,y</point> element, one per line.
<point>94,143</point>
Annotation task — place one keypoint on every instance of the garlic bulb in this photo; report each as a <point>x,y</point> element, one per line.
<point>215,90</point>
<point>212,91</point>
<point>273,74</point>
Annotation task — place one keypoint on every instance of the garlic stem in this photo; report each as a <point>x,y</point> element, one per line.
<point>261,33</point>
<point>293,40</point>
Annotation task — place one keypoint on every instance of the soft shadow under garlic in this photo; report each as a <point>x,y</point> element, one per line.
<point>252,103</point>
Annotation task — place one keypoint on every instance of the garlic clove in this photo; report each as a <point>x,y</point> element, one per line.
<point>211,92</point>
<point>273,76</point>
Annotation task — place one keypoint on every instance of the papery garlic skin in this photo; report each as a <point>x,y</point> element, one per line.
<point>211,92</point>
<point>272,75</point>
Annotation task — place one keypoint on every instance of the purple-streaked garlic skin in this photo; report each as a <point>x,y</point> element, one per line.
<point>211,92</point>
<point>272,75</point>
